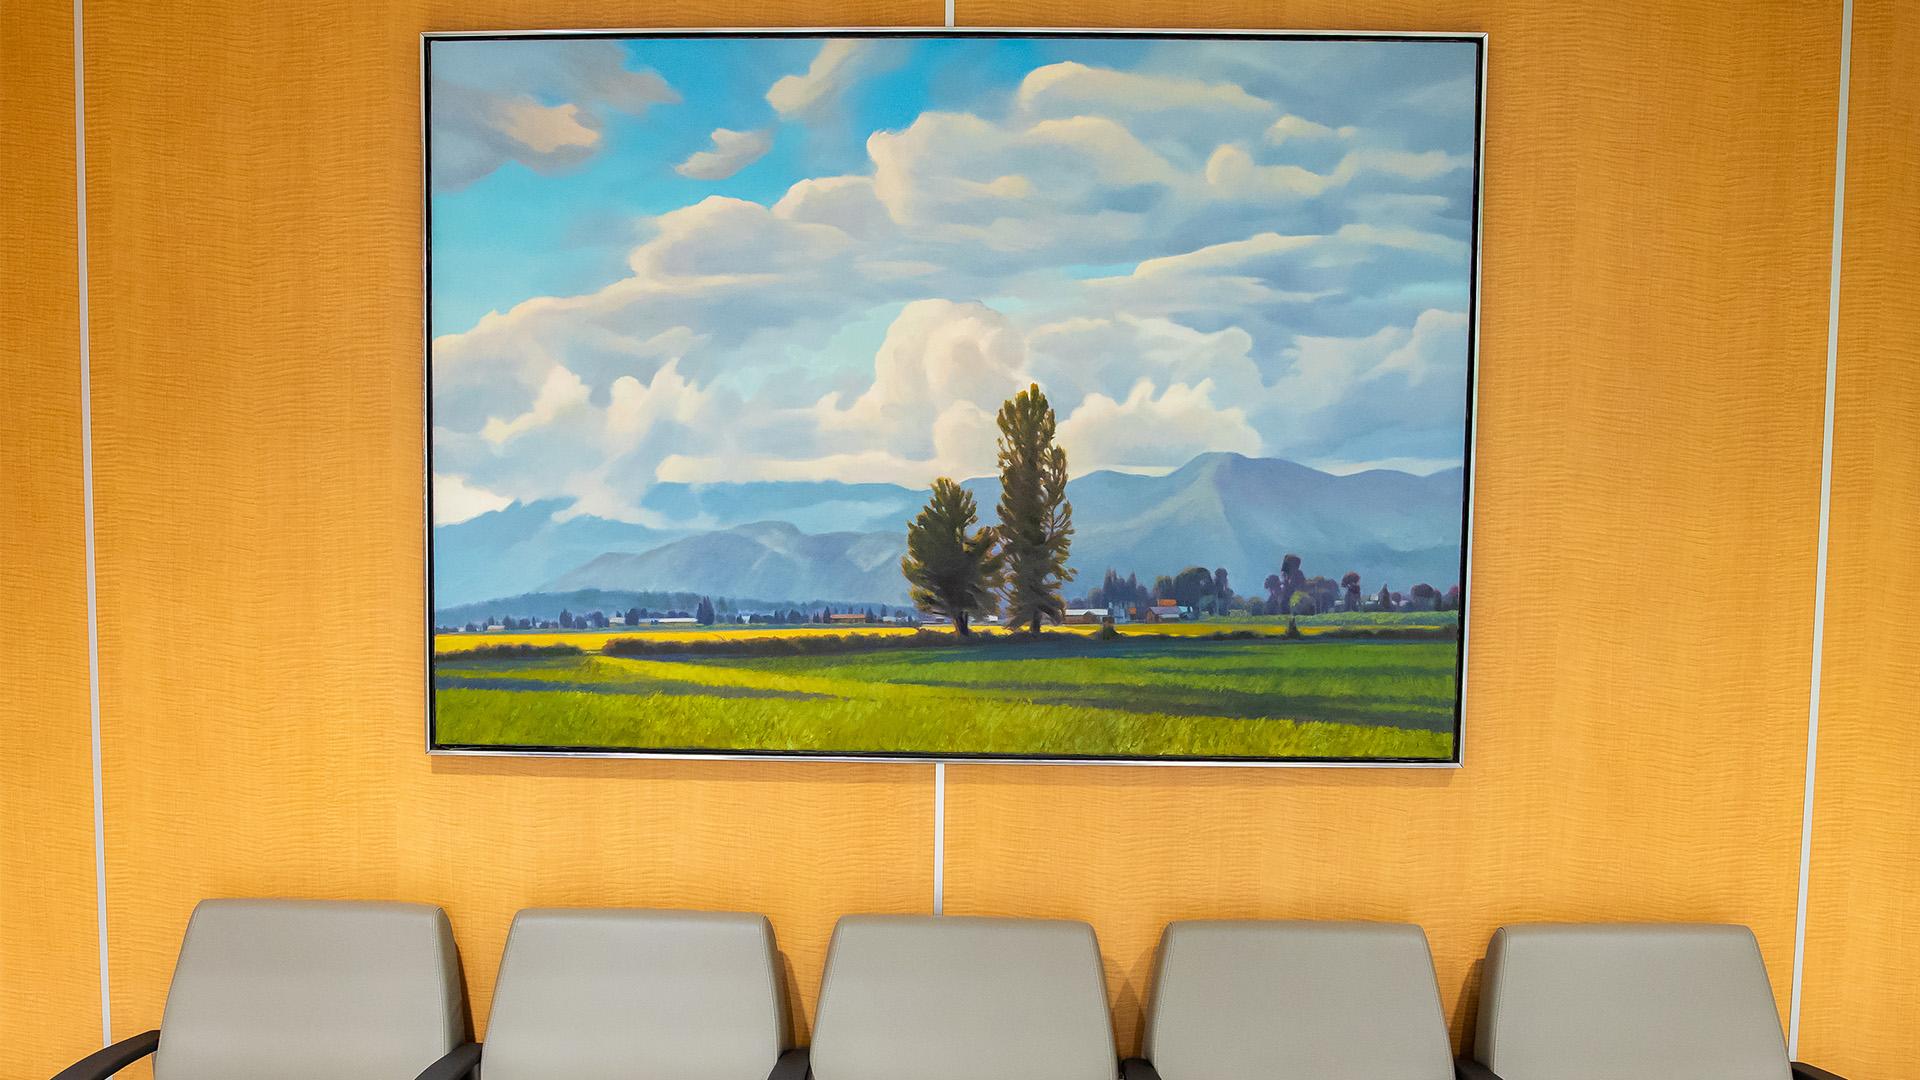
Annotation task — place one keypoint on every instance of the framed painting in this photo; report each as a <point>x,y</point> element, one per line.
<point>1025,396</point>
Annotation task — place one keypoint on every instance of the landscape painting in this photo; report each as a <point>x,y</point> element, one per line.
<point>1038,396</point>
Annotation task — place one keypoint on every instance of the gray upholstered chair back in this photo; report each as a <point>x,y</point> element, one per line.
<point>1296,1001</point>
<point>612,994</point>
<point>285,989</point>
<point>1572,1002</point>
<point>952,998</point>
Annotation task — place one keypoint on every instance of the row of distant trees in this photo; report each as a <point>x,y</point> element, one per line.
<point>1288,592</point>
<point>704,613</point>
<point>1018,565</point>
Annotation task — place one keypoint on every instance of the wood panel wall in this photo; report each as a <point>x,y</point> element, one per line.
<point>49,953</point>
<point>1861,994</point>
<point>1658,212</point>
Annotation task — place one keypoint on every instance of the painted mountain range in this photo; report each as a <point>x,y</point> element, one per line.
<point>812,541</point>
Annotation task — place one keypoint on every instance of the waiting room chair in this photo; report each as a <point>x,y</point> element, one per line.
<point>957,998</point>
<point>299,989</point>
<point>1259,1000</point>
<point>1611,1002</point>
<point>614,994</point>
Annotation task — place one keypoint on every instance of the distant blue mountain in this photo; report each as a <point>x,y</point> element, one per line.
<point>516,550</point>
<point>796,541</point>
<point>822,506</point>
<point>1246,514</point>
<point>768,558</point>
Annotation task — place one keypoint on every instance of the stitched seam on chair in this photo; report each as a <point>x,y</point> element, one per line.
<point>448,1012</point>
<point>1493,1013</point>
<point>1100,994</point>
<point>1147,1033</point>
<point>780,1017</point>
<point>826,984</point>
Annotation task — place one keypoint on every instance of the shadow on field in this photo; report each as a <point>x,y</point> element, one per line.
<point>1241,706</point>
<point>651,687</point>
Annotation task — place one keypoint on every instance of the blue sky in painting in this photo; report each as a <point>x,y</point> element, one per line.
<point>776,258</point>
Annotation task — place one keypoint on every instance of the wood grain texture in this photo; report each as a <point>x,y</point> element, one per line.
<point>1657,220</point>
<point>49,952</point>
<point>256,262</point>
<point>1861,995</point>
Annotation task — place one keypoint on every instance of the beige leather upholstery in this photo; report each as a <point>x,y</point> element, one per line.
<point>1623,1002</point>
<point>950,998</point>
<point>630,994</point>
<point>311,990</point>
<point>1296,1001</point>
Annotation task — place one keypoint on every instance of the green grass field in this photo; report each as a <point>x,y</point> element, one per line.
<point>1067,695</point>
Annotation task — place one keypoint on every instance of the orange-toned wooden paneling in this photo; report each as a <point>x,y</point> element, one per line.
<point>49,952</point>
<point>1657,223</point>
<point>1861,993</point>
<point>255,187</point>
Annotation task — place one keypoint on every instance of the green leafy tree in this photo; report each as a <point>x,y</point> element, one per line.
<point>952,567</point>
<point>704,612</point>
<point>1324,592</point>
<point>1292,582</point>
<point>1036,520</point>
<point>1192,585</point>
<point>1350,585</point>
<point>1275,586</point>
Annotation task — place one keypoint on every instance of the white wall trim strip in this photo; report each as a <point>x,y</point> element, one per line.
<point>86,497</point>
<point>1826,504</point>
<point>939,836</point>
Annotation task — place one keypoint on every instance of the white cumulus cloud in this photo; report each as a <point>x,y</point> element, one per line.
<point>835,67</point>
<point>540,103</point>
<point>1145,432</point>
<point>455,500</point>
<point>732,151</point>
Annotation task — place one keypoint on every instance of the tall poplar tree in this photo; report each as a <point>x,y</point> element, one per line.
<point>1036,520</point>
<point>952,567</point>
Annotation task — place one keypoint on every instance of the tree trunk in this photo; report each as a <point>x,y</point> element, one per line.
<point>960,624</point>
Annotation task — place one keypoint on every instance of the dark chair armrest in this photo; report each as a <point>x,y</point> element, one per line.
<point>104,1063</point>
<point>457,1065</point>
<point>793,1065</point>
<point>1465,1068</point>
<point>1804,1071</point>
<point>1138,1069</point>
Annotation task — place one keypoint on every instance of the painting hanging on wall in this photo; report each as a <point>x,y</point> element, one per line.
<point>1012,396</point>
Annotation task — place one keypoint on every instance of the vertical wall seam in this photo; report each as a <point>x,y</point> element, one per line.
<point>1826,507</point>
<point>86,501</point>
<point>939,836</point>
<point>950,4</point>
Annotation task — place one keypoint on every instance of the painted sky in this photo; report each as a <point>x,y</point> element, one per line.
<point>711,259</point>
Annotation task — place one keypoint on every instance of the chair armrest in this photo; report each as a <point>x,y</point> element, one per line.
<point>1804,1071</point>
<point>793,1065</point>
<point>104,1063</point>
<point>1138,1069</point>
<point>457,1065</point>
<point>1465,1068</point>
